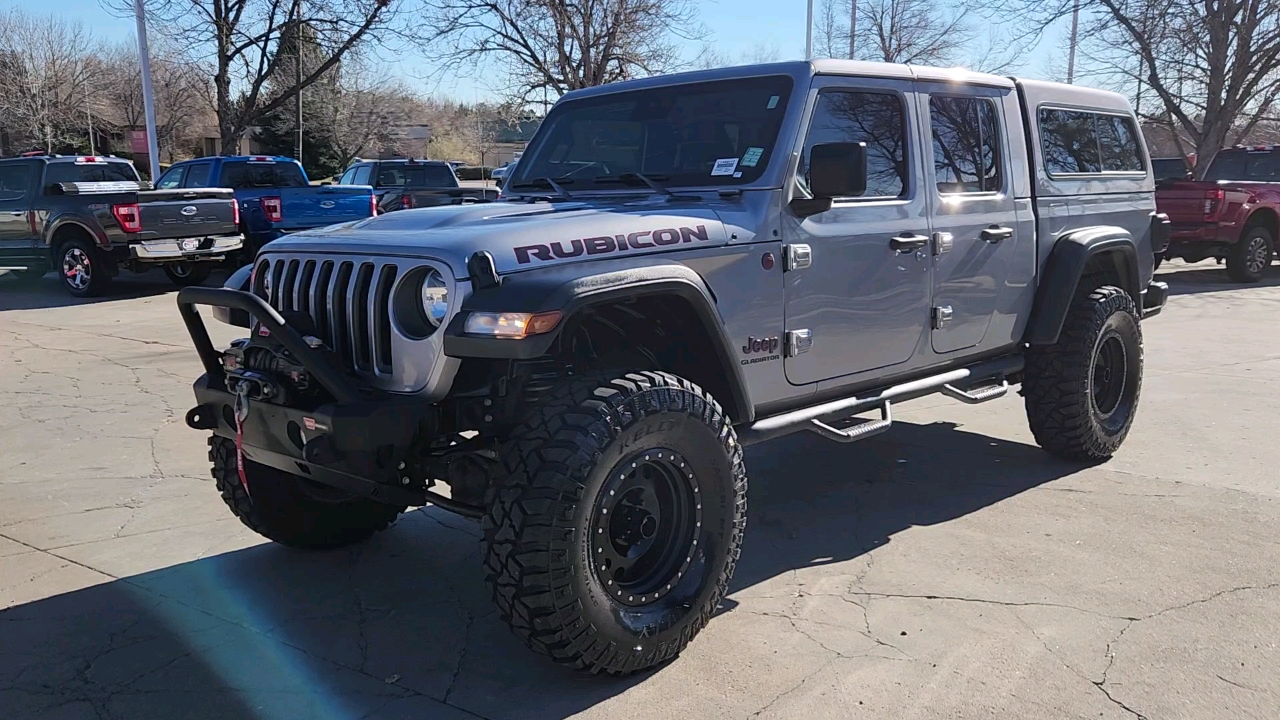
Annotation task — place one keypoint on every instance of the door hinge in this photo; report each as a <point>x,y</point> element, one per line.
<point>799,257</point>
<point>942,242</point>
<point>799,341</point>
<point>941,316</point>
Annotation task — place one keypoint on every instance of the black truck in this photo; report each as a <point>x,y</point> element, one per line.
<point>405,184</point>
<point>87,217</point>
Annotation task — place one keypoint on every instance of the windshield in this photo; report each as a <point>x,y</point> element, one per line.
<point>1263,166</point>
<point>424,176</point>
<point>715,133</point>
<point>242,175</point>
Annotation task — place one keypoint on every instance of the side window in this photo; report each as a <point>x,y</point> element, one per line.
<point>362,175</point>
<point>171,179</point>
<point>1118,144</point>
<point>875,118</point>
<point>198,175</point>
<point>15,181</point>
<point>966,144</point>
<point>347,176</point>
<point>1070,142</point>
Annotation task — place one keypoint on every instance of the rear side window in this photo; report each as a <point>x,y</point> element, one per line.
<point>874,118</point>
<point>1078,142</point>
<point>70,172</point>
<point>198,175</point>
<point>966,144</point>
<point>243,175</point>
<point>362,175</point>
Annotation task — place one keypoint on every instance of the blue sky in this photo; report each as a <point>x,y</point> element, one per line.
<point>736,27</point>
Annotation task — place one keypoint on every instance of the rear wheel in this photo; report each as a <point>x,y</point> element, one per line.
<point>612,539</point>
<point>292,510</point>
<point>81,268</point>
<point>1249,259</point>
<point>185,274</point>
<point>1082,392</point>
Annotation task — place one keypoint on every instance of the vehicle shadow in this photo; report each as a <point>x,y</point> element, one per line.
<point>47,292</point>
<point>403,627</point>
<point>1208,277</point>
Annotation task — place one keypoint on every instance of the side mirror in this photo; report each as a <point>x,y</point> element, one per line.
<point>835,170</point>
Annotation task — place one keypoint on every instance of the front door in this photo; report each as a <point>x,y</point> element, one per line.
<point>975,232</point>
<point>16,238</point>
<point>863,300</point>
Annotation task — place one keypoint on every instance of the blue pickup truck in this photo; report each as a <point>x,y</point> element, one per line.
<point>274,194</point>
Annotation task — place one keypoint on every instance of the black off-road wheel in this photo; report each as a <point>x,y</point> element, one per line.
<point>187,274</point>
<point>292,510</point>
<point>1248,260</point>
<point>1082,392</point>
<point>82,269</point>
<point>611,540</point>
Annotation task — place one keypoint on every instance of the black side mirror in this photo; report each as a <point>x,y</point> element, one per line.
<point>835,170</point>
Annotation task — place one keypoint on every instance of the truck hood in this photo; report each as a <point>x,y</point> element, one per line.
<point>520,235</point>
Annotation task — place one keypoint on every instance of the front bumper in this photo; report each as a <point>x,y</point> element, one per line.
<point>185,249</point>
<point>1154,298</point>
<point>356,443</point>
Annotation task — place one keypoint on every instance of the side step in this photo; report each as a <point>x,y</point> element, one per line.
<point>816,417</point>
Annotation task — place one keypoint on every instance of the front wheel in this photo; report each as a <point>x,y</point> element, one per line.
<point>1082,392</point>
<point>292,510</point>
<point>186,274</point>
<point>612,539</point>
<point>1248,259</point>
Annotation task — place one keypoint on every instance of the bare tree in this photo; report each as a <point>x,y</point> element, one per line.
<point>1209,71</point>
<point>182,94</point>
<point>563,45</point>
<point>239,39</point>
<point>831,29</point>
<point>44,71</point>
<point>916,32</point>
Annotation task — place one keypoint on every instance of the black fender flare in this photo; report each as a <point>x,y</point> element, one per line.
<point>57,223</point>
<point>573,287</point>
<point>1061,275</point>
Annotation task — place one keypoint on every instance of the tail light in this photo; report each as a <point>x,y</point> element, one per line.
<point>235,213</point>
<point>271,207</point>
<point>128,216</point>
<point>406,202</point>
<point>373,205</point>
<point>1213,202</point>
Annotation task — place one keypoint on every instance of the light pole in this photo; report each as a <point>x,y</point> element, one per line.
<point>148,101</point>
<point>808,32</point>
<point>1075,36</point>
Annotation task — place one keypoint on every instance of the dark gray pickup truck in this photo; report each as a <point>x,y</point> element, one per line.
<point>406,184</point>
<point>88,217</point>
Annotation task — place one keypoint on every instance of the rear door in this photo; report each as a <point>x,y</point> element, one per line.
<point>17,183</point>
<point>976,238</point>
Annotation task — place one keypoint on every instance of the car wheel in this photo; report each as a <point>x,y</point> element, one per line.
<point>293,510</point>
<point>1082,392</point>
<point>611,540</point>
<point>1249,259</point>
<point>81,268</point>
<point>186,274</point>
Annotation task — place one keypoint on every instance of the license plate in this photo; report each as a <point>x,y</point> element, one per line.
<point>190,245</point>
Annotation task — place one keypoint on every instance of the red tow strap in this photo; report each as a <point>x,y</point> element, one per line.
<point>241,413</point>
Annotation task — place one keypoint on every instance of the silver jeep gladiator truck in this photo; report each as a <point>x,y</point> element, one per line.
<point>681,266</point>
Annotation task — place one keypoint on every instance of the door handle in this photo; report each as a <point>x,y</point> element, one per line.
<point>996,233</point>
<point>907,242</point>
<point>19,213</point>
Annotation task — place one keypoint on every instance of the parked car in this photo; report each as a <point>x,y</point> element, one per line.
<point>500,173</point>
<point>274,195</point>
<point>88,217</point>
<point>407,184</point>
<point>1231,214</point>
<point>682,266</point>
<point>1174,168</point>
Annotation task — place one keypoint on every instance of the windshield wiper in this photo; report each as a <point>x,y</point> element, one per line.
<point>634,179</point>
<point>549,183</point>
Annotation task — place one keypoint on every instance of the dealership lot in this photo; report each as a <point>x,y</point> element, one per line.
<point>946,569</point>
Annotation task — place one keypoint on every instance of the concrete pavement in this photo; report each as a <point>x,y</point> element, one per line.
<point>948,569</point>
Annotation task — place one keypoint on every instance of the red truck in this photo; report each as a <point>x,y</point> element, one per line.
<point>1231,215</point>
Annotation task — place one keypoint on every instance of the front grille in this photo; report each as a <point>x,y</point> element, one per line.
<point>349,303</point>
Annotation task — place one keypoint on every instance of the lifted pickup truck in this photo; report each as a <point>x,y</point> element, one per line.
<point>682,266</point>
<point>1233,214</point>
<point>274,194</point>
<point>408,184</point>
<point>86,217</point>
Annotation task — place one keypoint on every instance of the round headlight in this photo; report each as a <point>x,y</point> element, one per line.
<point>435,298</point>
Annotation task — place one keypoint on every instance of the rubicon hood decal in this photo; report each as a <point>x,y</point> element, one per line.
<point>602,244</point>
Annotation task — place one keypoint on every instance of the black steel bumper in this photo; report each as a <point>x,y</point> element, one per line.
<point>1153,298</point>
<point>355,443</point>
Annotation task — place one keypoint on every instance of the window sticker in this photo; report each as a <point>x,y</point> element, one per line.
<point>773,102</point>
<point>752,156</point>
<point>724,166</point>
<point>738,174</point>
